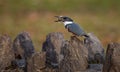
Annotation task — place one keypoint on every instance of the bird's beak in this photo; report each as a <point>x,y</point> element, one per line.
<point>58,19</point>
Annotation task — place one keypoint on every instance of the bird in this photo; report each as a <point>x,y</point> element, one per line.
<point>71,26</point>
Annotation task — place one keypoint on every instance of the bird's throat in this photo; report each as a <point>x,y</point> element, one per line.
<point>67,22</point>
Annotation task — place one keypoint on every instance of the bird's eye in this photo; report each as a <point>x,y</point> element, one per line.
<point>64,18</point>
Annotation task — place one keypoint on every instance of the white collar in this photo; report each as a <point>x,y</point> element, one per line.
<point>67,22</point>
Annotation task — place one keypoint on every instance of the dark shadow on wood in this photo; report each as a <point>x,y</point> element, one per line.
<point>95,49</point>
<point>23,49</point>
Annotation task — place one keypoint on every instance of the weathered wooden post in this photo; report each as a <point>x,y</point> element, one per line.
<point>112,60</point>
<point>26,59</point>
<point>52,46</point>
<point>95,49</point>
<point>23,49</point>
<point>75,56</point>
<point>6,53</point>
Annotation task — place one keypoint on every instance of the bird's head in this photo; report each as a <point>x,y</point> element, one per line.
<point>63,19</point>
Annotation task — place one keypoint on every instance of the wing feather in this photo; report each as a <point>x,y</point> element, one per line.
<point>75,29</point>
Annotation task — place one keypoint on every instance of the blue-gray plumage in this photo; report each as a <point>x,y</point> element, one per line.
<point>71,26</point>
<point>75,29</point>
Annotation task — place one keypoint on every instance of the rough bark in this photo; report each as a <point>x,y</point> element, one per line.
<point>75,56</point>
<point>64,55</point>
<point>37,62</point>
<point>112,61</point>
<point>58,55</point>
<point>52,46</point>
<point>95,49</point>
<point>23,49</point>
<point>6,53</point>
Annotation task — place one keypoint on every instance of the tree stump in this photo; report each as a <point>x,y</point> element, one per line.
<point>95,49</point>
<point>6,53</point>
<point>75,56</point>
<point>52,46</point>
<point>23,49</point>
<point>112,61</point>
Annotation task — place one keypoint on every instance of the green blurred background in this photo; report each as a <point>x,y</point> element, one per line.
<point>102,17</point>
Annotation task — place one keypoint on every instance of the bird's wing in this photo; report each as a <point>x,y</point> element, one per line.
<point>75,29</point>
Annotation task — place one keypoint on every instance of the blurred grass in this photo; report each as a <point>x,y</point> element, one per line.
<point>14,6</point>
<point>101,17</point>
<point>105,26</point>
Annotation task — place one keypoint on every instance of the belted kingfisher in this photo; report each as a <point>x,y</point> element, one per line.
<point>71,26</point>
